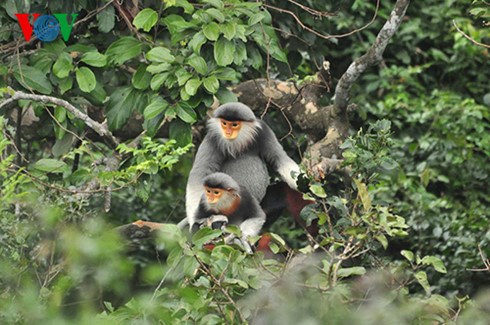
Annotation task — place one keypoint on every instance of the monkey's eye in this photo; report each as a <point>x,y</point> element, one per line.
<point>208,191</point>
<point>235,125</point>
<point>216,193</point>
<point>223,123</point>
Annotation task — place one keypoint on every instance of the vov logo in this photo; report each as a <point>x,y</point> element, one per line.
<point>46,27</point>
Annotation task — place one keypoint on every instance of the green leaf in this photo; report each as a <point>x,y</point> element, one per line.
<point>63,65</point>
<point>192,86</point>
<point>184,95</point>
<point>145,19</point>
<point>60,124</point>
<point>170,235</point>
<point>425,176</point>
<point>157,106</point>
<point>224,52</point>
<point>211,84</point>
<point>153,125</point>
<point>55,47</point>
<point>186,113</point>
<point>188,8</point>
<point>65,84</point>
<point>177,24</point>
<point>106,19</point>
<point>211,31</point>
<point>256,18</point>
<point>408,255</point>
<point>141,78</point>
<point>32,79</point>
<point>228,30</point>
<point>94,59</point>
<point>435,262</point>
<point>160,55</point>
<point>318,190</point>
<point>85,79</point>
<point>182,76</point>
<point>216,14</point>
<point>238,282</point>
<point>363,194</point>
<point>382,239</point>
<point>98,95</point>
<point>197,42</point>
<point>256,58</point>
<point>181,132</point>
<point>15,6</point>
<point>122,103</point>
<point>199,64</point>
<point>157,68</point>
<point>346,272</point>
<point>124,49</point>
<point>50,166</point>
<point>421,277</point>
<point>60,114</point>
<point>215,3</point>
<point>158,80</point>
<point>225,74</point>
<point>42,60</point>
<point>240,53</point>
<point>63,145</point>
<point>265,36</point>
<point>486,99</point>
<point>205,235</point>
<point>224,96</point>
<point>278,239</point>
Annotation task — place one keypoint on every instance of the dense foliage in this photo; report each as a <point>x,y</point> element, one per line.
<point>399,227</point>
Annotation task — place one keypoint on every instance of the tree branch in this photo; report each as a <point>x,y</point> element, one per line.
<point>99,128</point>
<point>371,57</point>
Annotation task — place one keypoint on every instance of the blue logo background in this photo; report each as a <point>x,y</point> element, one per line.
<point>47,28</point>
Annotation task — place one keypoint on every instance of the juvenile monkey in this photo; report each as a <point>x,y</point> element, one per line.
<point>224,201</point>
<point>242,146</point>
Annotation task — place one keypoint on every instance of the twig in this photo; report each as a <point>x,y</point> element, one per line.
<point>485,260</point>
<point>311,30</point>
<point>311,10</point>
<point>99,128</point>
<point>472,40</point>
<point>222,289</point>
<point>126,17</point>
<point>162,281</point>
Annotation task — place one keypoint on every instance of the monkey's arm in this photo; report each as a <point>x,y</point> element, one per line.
<point>208,160</point>
<point>201,216</point>
<point>252,215</point>
<point>252,226</point>
<point>273,153</point>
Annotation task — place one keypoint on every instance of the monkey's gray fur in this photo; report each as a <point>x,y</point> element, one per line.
<point>244,158</point>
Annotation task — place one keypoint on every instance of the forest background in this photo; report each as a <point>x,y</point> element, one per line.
<point>99,131</point>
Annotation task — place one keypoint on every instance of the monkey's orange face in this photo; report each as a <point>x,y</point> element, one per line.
<point>213,194</point>
<point>230,128</point>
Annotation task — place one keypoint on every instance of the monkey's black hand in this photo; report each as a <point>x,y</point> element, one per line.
<point>217,221</point>
<point>218,224</point>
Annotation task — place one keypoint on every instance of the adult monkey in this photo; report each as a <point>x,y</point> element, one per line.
<point>242,146</point>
